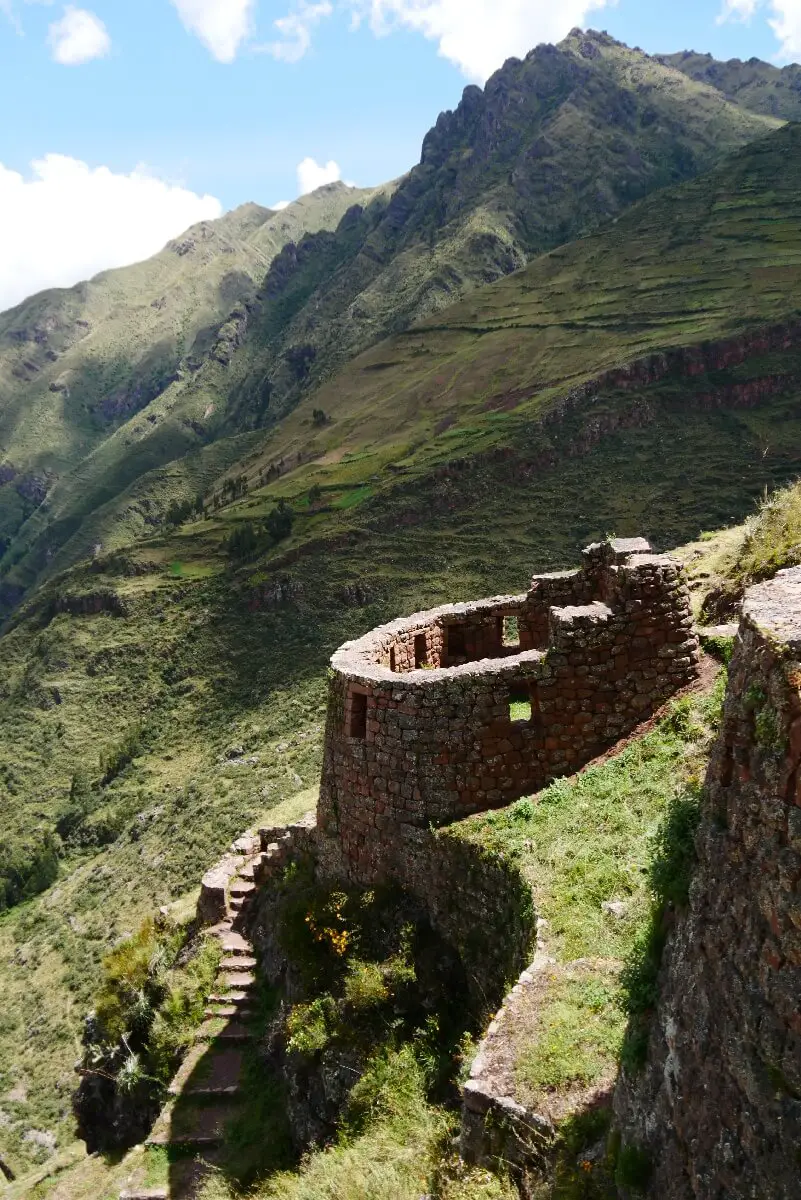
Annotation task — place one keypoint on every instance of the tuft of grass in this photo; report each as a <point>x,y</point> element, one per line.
<point>590,838</point>
<point>577,1036</point>
<point>623,830</point>
<point>391,1158</point>
<point>669,878</point>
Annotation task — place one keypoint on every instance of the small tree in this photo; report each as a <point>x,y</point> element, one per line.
<point>243,542</point>
<point>78,807</point>
<point>319,417</point>
<point>279,522</point>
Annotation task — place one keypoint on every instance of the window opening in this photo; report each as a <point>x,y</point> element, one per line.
<point>457,646</point>
<point>392,665</point>
<point>510,632</point>
<point>420,650</point>
<point>358,716</point>
<point>520,704</point>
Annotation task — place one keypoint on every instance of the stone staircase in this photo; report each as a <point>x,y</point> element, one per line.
<point>206,1093</point>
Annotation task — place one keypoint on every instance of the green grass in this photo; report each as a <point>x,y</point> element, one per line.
<point>156,328</point>
<point>620,831</point>
<point>397,1156</point>
<point>590,838</point>
<point>576,1038</point>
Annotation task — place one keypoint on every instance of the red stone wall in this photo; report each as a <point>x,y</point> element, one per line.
<point>426,747</point>
<point>716,1108</point>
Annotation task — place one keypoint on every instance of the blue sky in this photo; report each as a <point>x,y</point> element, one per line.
<point>226,97</point>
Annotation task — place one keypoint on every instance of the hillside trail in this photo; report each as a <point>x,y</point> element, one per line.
<point>207,1092</point>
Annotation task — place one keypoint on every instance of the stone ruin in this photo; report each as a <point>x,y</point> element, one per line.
<point>467,707</point>
<point>716,1107</point>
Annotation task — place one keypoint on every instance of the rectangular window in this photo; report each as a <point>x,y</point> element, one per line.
<point>392,665</point>
<point>420,650</point>
<point>457,646</point>
<point>510,633</point>
<point>358,716</point>
<point>519,704</point>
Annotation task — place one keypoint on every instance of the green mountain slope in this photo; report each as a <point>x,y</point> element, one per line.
<point>76,364</point>
<point>707,261</point>
<point>555,145</point>
<point>755,85</point>
<point>645,379</point>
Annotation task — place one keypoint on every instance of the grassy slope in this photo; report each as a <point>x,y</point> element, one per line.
<point>77,364</point>
<point>717,256</point>
<point>755,85</point>
<point>555,145</point>
<point>205,672</point>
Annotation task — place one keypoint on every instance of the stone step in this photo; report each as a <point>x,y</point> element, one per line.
<point>248,873</point>
<point>235,943</point>
<point>238,962</point>
<point>221,929</point>
<point>242,887</point>
<point>209,1071</point>
<point>237,903</point>
<point>188,1123</point>
<point>185,1141</point>
<point>230,1010</point>
<point>232,1031</point>
<point>236,979</point>
<point>160,1193</point>
<point>237,996</point>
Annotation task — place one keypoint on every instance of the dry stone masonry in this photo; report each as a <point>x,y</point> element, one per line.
<point>470,706</point>
<point>717,1107</point>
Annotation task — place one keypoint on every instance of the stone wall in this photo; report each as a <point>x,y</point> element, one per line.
<point>717,1107</point>
<point>420,732</point>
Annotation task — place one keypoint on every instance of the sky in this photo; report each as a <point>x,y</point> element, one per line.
<point>125,121</point>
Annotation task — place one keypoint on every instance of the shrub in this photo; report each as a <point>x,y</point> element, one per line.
<point>311,1026</point>
<point>28,866</point>
<point>243,542</point>
<point>146,1011</point>
<point>279,522</point>
<point>365,985</point>
<point>115,762</point>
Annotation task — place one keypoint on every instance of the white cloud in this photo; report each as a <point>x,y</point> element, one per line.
<point>280,205</point>
<point>7,10</point>
<point>68,221</point>
<point>786,24</point>
<point>312,175</point>
<point>737,10</point>
<point>478,35</point>
<point>296,30</point>
<point>221,25</point>
<point>785,21</point>
<point>78,37</point>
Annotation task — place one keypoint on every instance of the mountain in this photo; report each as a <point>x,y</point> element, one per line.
<point>156,700</point>
<point>555,145</point>
<point>758,86</point>
<point>161,693</point>
<point>78,364</point>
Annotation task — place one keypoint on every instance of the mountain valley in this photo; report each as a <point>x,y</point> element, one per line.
<point>578,316</point>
